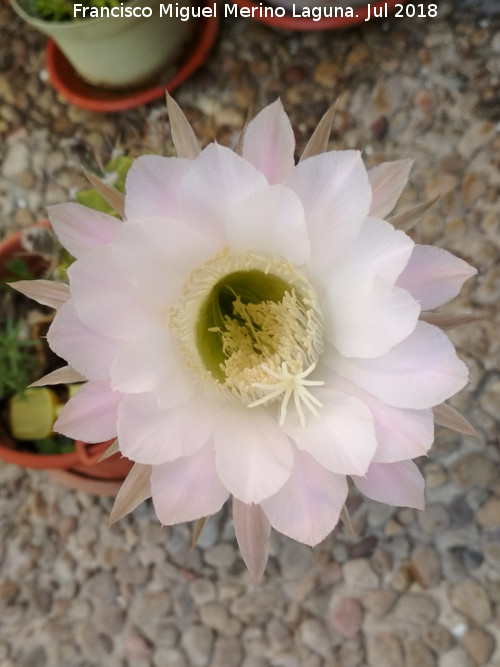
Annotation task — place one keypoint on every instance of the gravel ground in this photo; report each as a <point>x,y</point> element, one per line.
<point>402,588</point>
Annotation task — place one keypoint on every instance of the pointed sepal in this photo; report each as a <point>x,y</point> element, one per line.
<point>448,321</point>
<point>318,142</point>
<point>252,530</point>
<point>45,292</point>
<point>198,527</point>
<point>346,520</point>
<point>409,218</point>
<point>185,141</point>
<point>135,489</point>
<point>64,375</point>
<point>114,448</point>
<point>114,198</point>
<point>446,416</point>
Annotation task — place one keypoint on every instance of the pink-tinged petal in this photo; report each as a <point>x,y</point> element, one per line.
<point>86,351</point>
<point>81,229</point>
<point>172,250</point>
<point>153,363</point>
<point>269,143</point>
<point>188,488</point>
<point>341,438</point>
<point>217,181</point>
<point>152,186</point>
<point>90,415</point>
<point>252,532</point>
<point>387,181</point>
<point>308,506</point>
<point>399,484</point>
<point>270,221</point>
<point>434,276</point>
<point>148,434</point>
<point>368,317</point>
<point>45,292</point>
<point>64,375</point>
<point>401,433</point>
<point>420,372</point>
<point>379,249</point>
<point>106,301</point>
<point>334,190</point>
<point>253,455</point>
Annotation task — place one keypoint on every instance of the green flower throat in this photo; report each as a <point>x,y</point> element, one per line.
<point>255,332</point>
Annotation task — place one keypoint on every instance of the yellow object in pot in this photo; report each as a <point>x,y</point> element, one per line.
<point>33,413</point>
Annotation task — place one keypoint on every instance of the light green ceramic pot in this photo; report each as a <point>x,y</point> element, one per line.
<point>117,52</point>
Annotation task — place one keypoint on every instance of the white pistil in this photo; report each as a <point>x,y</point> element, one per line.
<point>287,384</point>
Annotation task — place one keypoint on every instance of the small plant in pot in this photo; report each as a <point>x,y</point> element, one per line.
<point>27,413</point>
<point>110,44</point>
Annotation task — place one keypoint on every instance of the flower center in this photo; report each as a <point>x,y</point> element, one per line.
<point>251,325</point>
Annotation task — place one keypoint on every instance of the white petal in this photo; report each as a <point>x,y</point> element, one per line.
<point>367,317</point>
<point>434,276</point>
<point>46,292</point>
<point>270,221</point>
<point>253,456</point>
<point>387,181</point>
<point>401,433</point>
<point>252,532</point>
<point>152,186</point>
<point>158,254</point>
<point>150,435</point>
<point>269,143</point>
<point>218,180</point>
<point>379,249</point>
<point>86,351</point>
<point>90,415</point>
<point>153,363</point>
<point>187,488</point>
<point>106,301</point>
<point>334,190</point>
<point>394,484</point>
<point>307,507</point>
<point>81,229</point>
<point>419,373</point>
<point>342,438</point>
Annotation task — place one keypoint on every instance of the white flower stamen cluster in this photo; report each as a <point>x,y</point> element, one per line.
<point>270,348</point>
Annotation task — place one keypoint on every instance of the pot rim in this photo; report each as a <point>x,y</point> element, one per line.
<point>76,91</point>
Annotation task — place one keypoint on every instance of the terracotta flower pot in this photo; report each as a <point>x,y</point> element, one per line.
<point>12,247</point>
<point>82,468</point>
<point>75,90</point>
<point>117,51</point>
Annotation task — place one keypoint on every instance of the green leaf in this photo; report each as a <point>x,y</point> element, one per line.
<point>18,268</point>
<point>92,199</point>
